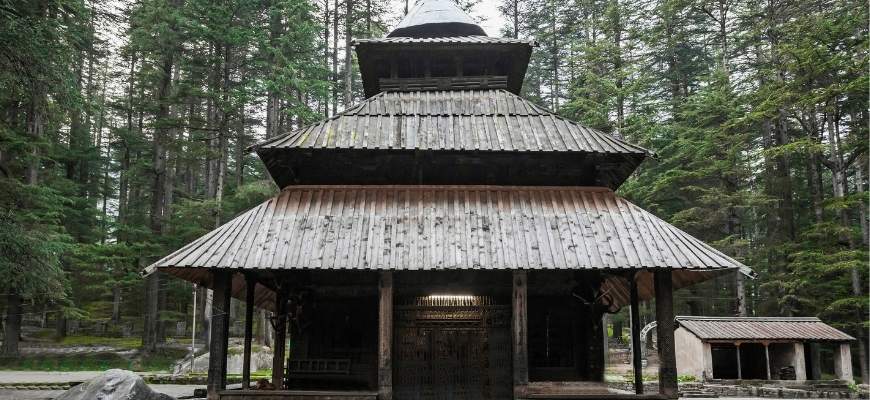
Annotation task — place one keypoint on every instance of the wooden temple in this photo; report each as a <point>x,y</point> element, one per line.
<point>444,239</point>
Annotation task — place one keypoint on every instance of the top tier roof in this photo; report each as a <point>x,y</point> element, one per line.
<point>436,18</point>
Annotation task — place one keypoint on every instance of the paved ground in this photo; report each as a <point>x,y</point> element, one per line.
<point>175,391</point>
<point>172,390</point>
<point>46,377</point>
<point>65,377</point>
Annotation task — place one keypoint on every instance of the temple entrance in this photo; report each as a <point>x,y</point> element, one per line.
<point>452,347</point>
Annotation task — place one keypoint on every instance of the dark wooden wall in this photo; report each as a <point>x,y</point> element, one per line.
<point>566,336</point>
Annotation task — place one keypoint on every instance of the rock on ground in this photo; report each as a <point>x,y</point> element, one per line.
<point>114,384</point>
<point>261,358</point>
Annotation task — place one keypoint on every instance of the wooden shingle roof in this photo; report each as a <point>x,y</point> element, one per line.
<point>451,228</point>
<point>468,120</point>
<point>761,328</point>
<point>489,40</point>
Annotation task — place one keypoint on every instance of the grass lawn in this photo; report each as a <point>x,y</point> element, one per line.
<point>161,361</point>
<point>118,342</point>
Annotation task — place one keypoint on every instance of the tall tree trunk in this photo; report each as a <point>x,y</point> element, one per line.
<point>348,54</point>
<point>335,58</point>
<point>241,143</point>
<point>326,53</point>
<point>555,56</point>
<point>617,67</point>
<point>151,332</point>
<point>273,99</point>
<point>116,304</point>
<point>12,325</point>
<point>516,18</point>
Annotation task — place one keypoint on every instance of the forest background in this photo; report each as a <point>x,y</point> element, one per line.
<point>124,128</point>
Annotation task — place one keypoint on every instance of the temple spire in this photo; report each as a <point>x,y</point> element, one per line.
<point>437,18</point>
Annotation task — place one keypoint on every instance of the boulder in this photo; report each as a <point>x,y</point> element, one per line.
<point>261,358</point>
<point>114,384</point>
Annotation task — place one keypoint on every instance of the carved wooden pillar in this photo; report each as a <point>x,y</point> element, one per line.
<point>280,338</point>
<point>519,331</point>
<point>249,330</point>
<point>635,337</point>
<point>385,337</point>
<point>217,361</point>
<point>665,330</point>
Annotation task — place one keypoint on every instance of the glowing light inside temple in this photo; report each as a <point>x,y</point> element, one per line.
<point>450,296</point>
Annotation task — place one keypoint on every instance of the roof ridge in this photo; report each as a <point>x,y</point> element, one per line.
<point>760,319</point>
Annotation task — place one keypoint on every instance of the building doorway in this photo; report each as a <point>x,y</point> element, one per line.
<point>451,347</point>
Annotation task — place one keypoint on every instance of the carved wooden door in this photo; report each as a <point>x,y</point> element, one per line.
<point>446,352</point>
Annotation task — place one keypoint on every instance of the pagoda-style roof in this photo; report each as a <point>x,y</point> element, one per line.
<point>436,228</point>
<point>479,137</point>
<point>436,18</point>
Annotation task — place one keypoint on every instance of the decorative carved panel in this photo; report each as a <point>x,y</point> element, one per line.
<point>456,351</point>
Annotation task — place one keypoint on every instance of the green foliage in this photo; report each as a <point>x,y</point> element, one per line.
<point>32,241</point>
<point>160,362</point>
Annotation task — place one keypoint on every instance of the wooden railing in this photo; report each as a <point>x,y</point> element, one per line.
<point>447,83</point>
<point>318,367</point>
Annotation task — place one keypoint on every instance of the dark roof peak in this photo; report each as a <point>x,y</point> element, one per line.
<point>437,18</point>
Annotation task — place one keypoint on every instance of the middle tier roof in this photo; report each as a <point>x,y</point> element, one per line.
<point>449,137</point>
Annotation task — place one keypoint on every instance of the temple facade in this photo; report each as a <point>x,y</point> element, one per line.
<point>445,238</point>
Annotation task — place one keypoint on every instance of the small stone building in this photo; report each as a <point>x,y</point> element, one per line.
<point>768,348</point>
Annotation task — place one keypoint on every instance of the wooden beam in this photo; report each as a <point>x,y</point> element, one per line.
<point>739,363</point>
<point>250,284</point>
<point>519,332</point>
<point>767,360</point>
<point>220,327</point>
<point>665,330</point>
<point>385,337</point>
<point>280,338</point>
<point>635,336</point>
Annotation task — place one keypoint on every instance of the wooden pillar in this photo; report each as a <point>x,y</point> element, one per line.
<point>280,338</point>
<point>385,336</point>
<point>665,331</point>
<point>767,359</point>
<point>249,330</point>
<point>635,337</point>
<point>519,326</point>
<point>739,366</point>
<point>843,362</point>
<point>219,338</point>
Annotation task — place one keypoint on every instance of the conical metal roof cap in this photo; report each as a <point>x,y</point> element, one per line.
<point>436,18</point>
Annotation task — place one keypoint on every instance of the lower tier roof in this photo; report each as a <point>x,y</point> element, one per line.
<point>407,228</point>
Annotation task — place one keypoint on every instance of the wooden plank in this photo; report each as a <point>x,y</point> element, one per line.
<point>280,338</point>
<point>385,337</point>
<point>219,340</point>
<point>636,351</point>
<point>665,333</point>
<point>250,285</point>
<point>519,332</point>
